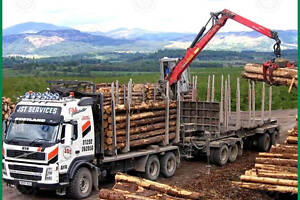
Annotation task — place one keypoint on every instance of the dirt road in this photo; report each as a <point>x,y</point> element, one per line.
<point>194,175</point>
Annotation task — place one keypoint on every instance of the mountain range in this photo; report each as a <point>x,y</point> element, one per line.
<point>46,40</point>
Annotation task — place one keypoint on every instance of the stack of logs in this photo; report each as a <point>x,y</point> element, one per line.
<point>147,124</point>
<point>140,93</point>
<point>281,76</point>
<point>133,188</point>
<point>275,171</point>
<point>7,108</point>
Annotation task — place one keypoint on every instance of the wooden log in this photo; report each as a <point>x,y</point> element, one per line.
<point>172,191</point>
<point>145,121</point>
<point>272,181</point>
<point>149,127</point>
<point>276,80</point>
<point>117,195</point>
<point>280,72</point>
<point>267,187</point>
<point>144,135</point>
<point>284,149</point>
<point>121,118</point>
<point>150,140</point>
<point>271,174</point>
<point>276,168</point>
<point>278,155</point>
<point>292,140</point>
<point>143,106</point>
<point>277,161</point>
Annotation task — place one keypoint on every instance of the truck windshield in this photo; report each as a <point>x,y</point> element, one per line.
<point>32,132</point>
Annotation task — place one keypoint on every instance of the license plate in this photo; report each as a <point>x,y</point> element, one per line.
<point>27,183</point>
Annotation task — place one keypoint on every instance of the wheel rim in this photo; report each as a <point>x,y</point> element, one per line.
<point>234,151</point>
<point>84,184</point>
<point>223,155</point>
<point>170,165</point>
<point>153,169</point>
<point>267,142</point>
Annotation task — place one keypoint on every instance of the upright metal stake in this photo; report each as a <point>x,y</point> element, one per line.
<point>229,97</point>
<point>222,101</point>
<point>270,102</point>
<point>208,89</point>
<point>226,105</point>
<point>253,102</point>
<point>193,89</point>
<point>177,138</point>
<point>124,94</point>
<point>128,104</point>
<point>117,92</point>
<point>113,105</point>
<point>238,104</point>
<point>166,141</point>
<point>213,89</point>
<point>249,102</point>
<point>263,103</point>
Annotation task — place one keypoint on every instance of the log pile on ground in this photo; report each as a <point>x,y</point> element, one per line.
<point>7,108</point>
<point>281,76</point>
<point>147,124</point>
<point>133,188</point>
<point>275,171</point>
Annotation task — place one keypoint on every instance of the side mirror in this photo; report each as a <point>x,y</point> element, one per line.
<point>4,127</point>
<point>68,134</point>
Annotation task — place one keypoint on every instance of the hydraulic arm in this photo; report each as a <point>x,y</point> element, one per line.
<point>218,20</point>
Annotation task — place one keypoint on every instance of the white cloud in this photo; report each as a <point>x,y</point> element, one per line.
<point>156,15</point>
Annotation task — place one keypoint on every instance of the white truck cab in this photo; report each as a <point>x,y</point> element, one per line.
<point>45,139</point>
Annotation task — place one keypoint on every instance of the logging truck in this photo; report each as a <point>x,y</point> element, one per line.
<point>72,136</point>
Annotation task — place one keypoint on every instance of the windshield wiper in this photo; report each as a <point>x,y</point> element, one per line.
<point>38,139</point>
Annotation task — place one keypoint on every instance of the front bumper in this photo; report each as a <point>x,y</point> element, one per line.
<point>33,174</point>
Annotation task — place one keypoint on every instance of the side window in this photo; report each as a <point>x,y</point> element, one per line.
<point>75,132</point>
<point>63,133</point>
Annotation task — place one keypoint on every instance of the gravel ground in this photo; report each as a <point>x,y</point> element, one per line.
<point>193,175</point>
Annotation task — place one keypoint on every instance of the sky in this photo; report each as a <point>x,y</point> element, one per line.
<point>153,15</point>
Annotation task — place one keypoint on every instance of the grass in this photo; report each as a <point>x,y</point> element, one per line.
<point>13,87</point>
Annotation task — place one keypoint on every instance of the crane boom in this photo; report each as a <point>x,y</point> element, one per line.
<point>219,19</point>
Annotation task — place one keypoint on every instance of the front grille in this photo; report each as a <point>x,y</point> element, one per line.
<point>26,154</point>
<point>25,168</point>
<point>26,177</point>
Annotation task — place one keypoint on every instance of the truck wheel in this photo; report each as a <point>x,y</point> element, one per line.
<point>26,190</point>
<point>221,155</point>
<point>264,142</point>
<point>274,137</point>
<point>81,185</point>
<point>152,168</point>
<point>168,164</point>
<point>233,152</point>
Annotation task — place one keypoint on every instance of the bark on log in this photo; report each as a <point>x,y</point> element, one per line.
<point>276,168</point>
<point>277,155</point>
<point>272,181</point>
<point>271,174</point>
<point>280,72</point>
<point>284,149</point>
<point>122,118</point>
<point>140,129</point>
<point>144,135</point>
<point>267,187</point>
<point>292,140</point>
<point>276,80</point>
<point>173,191</point>
<point>278,161</point>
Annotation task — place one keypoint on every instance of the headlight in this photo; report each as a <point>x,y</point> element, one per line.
<point>48,175</point>
<point>4,172</point>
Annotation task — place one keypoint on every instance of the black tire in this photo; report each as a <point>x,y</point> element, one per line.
<point>233,152</point>
<point>27,190</point>
<point>81,185</point>
<point>168,164</point>
<point>264,142</point>
<point>274,137</point>
<point>220,155</point>
<point>152,168</point>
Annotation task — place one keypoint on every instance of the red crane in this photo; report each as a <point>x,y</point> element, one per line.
<point>218,20</point>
